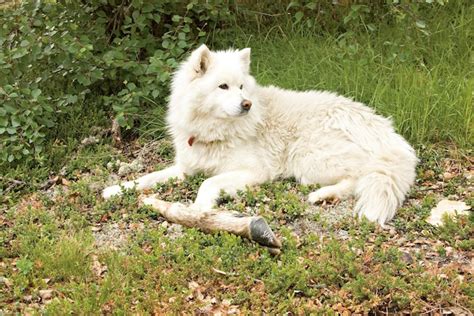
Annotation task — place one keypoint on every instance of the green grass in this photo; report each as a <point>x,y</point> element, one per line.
<point>428,93</point>
<point>53,242</point>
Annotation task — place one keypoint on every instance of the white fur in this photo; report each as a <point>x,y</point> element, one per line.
<point>314,136</point>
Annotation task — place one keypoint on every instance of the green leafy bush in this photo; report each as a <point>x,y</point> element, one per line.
<point>113,54</point>
<point>358,16</point>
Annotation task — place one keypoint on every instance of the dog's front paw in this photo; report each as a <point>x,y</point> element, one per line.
<point>315,197</point>
<point>320,196</point>
<point>111,191</point>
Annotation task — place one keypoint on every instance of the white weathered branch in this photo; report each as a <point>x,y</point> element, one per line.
<point>251,227</point>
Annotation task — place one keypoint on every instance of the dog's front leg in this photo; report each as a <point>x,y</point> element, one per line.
<point>229,182</point>
<point>145,182</point>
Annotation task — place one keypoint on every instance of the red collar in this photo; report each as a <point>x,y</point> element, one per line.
<point>191,140</point>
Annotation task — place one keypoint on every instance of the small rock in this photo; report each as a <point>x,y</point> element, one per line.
<point>343,234</point>
<point>174,231</point>
<point>123,170</point>
<point>126,168</point>
<point>27,298</point>
<point>446,207</point>
<point>89,141</point>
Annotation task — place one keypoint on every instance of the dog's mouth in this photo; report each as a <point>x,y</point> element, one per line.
<point>235,114</point>
<point>244,112</point>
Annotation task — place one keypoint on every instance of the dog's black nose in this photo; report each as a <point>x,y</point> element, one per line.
<point>246,105</point>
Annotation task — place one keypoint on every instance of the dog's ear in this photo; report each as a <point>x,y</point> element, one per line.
<point>245,58</point>
<point>200,59</point>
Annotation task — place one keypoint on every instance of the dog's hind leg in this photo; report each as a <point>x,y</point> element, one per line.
<point>144,182</point>
<point>339,190</point>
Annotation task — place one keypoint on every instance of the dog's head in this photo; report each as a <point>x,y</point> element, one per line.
<point>217,83</point>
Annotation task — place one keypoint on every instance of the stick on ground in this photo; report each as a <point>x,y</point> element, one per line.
<point>251,227</point>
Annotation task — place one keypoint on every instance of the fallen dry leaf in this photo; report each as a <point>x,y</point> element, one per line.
<point>45,294</point>
<point>98,268</point>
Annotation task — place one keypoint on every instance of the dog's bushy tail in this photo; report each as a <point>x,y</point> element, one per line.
<point>379,195</point>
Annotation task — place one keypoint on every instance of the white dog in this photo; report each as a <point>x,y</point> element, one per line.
<point>241,134</point>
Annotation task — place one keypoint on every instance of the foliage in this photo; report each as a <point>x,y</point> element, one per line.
<point>344,16</point>
<point>57,57</point>
<point>118,257</point>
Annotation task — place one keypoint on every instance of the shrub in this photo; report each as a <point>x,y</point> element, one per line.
<point>57,56</point>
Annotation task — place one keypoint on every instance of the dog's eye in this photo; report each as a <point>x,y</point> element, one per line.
<point>224,86</point>
<point>241,86</point>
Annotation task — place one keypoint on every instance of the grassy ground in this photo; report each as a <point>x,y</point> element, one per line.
<point>64,249</point>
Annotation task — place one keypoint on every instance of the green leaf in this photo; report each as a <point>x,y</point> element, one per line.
<point>9,108</point>
<point>35,93</point>
<point>298,16</point>
<point>421,24</point>
<point>131,86</point>
<point>121,120</point>
<point>292,4</point>
<point>176,18</point>
<point>71,99</point>
<point>15,122</point>
<point>24,43</point>
<point>135,15</point>
<point>19,53</point>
